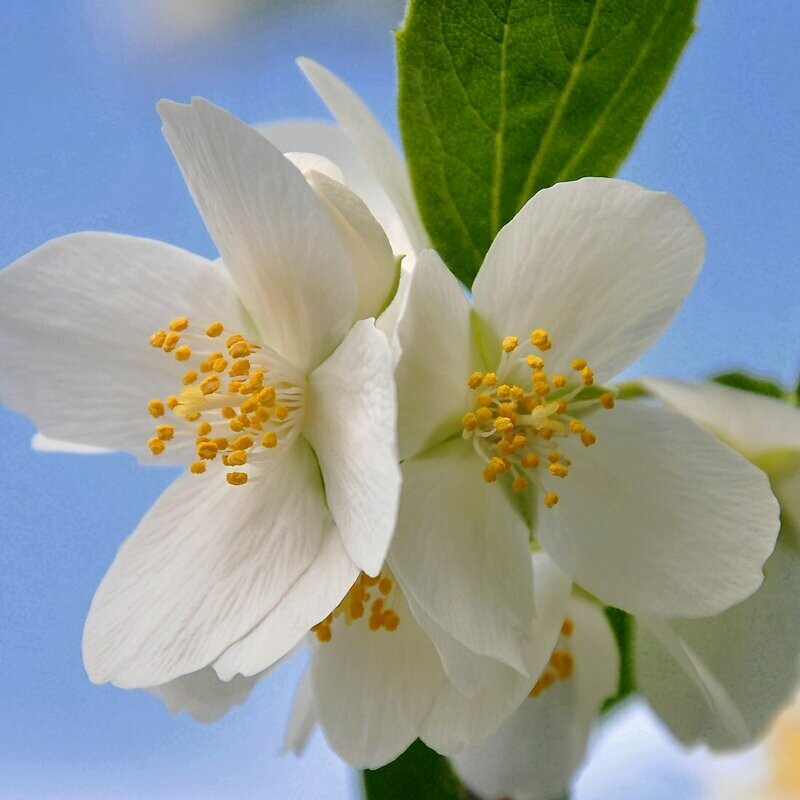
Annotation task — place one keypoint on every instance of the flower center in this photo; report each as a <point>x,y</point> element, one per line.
<point>561,664</point>
<point>240,402</point>
<point>372,596</point>
<point>515,429</point>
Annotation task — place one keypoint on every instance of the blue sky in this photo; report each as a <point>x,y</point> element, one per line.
<point>80,148</point>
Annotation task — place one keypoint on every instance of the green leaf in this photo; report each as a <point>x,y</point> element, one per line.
<point>418,774</point>
<point>622,624</point>
<point>500,98</point>
<point>747,383</point>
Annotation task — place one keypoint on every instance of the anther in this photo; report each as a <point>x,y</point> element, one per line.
<point>165,432</point>
<point>183,353</point>
<point>510,343</point>
<point>550,499</point>
<point>189,377</point>
<point>541,339</point>
<point>156,446</point>
<point>588,438</point>
<point>474,380</point>
<point>578,364</point>
<point>469,422</point>
<point>215,329</point>
<point>156,408</point>
<point>157,339</point>
<point>198,467</point>
<point>179,324</point>
<point>607,400</point>
<point>236,478</point>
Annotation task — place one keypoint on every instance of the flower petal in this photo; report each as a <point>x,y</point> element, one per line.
<point>204,567</point>
<point>203,695</point>
<point>601,264</point>
<point>470,672</point>
<point>437,356</point>
<point>750,423</point>
<point>374,266</point>
<point>351,425</point>
<point>270,229</point>
<point>373,143</point>
<point>310,599</point>
<point>462,553</point>
<point>659,517</point>
<point>373,688</point>
<point>75,318</point>
<point>752,651</point>
<point>44,444</point>
<point>536,752</point>
<point>302,717</point>
<point>327,140</point>
<point>459,718</point>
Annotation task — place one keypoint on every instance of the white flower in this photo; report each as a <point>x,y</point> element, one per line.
<point>257,374</point>
<point>718,680</point>
<point>747,659</point>
<point>535,753</point>
<point>376,681</point>
<point>504,434</point>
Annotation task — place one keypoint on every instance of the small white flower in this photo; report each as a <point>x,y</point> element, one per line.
<point>505,435</point>
<point>535,753</point>
<point>260,372</point>
<point>718,680</point>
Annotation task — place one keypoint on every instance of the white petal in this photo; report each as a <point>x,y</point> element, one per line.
<point>302,717</point>
<point>372,689</point>
<point>462,553</point>
<point>333,143</point>
<point>203,695</point>
<point>752,652</point>
<point>470,672</point>
<point>44,444</point>
<point>459,718</point>
<point>752,424</point>
<point>437,356</point>
<point>659,517</point>
<point>351,425</point>
<point>204,567</point>
<point>373,143</point>
<point>601,264</point>
<point>310,599</point>
<point>279,245</point>
<point>535,754</point>
<point>374,266</point>
<point>314,162</point>
<point>75,318</point>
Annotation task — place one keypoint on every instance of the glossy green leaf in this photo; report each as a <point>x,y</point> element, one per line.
<point>418,774</point>
<point>499,98</point>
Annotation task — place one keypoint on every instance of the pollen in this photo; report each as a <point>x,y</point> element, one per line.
<point>242,409</point>
<point>514,429</point>
<point>561,665</point>
<point>541,339</point>
<point>510,343</point>
<point>360,603</point>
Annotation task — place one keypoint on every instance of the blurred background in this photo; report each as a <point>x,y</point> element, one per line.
<point>80,148</point>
